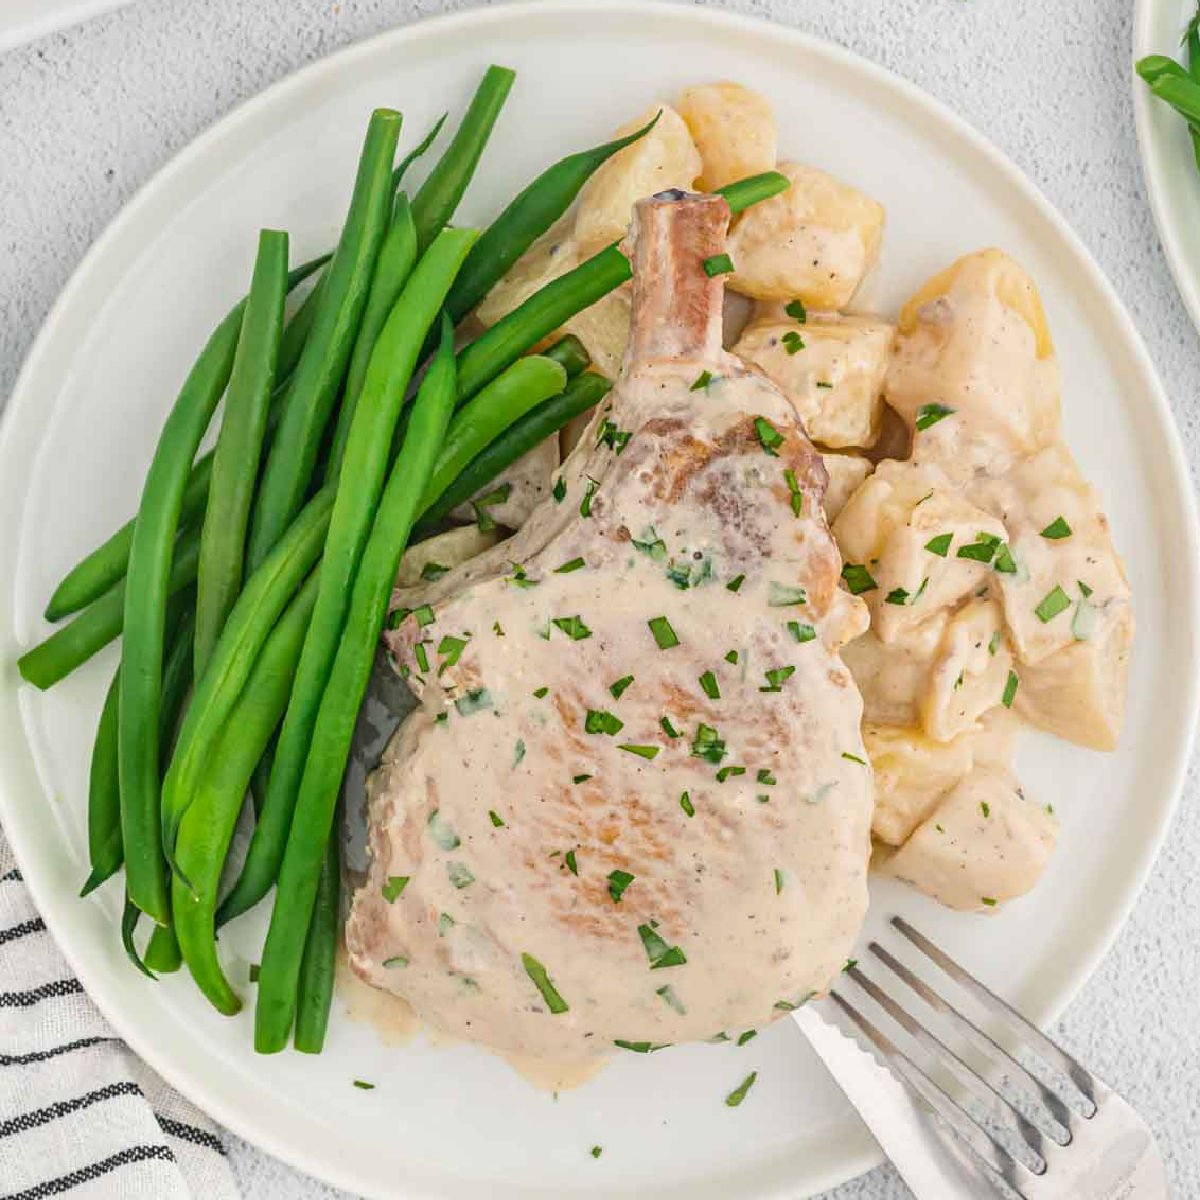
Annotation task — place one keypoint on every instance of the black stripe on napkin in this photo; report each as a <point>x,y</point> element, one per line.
<point>21,1060</point>
<point>43,1116</point>
<point>189,1133</point>
<point>60,987</point>
<point>64,1183</point>
<point>37,925</point>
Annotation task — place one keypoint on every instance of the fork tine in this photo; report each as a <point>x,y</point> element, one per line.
<point>1031,1085</point>
<point>992,1158</point>
<point>997,1106</point>
<point>1049,1051</point>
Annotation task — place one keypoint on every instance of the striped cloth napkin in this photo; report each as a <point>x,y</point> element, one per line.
<point>80,1114</point>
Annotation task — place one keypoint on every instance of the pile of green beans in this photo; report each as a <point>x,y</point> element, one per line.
<point>263,568</point>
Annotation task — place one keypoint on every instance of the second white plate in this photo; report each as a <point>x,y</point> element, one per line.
<point>455,1122</point>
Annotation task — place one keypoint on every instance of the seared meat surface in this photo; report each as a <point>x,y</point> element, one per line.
<point>633,805</point>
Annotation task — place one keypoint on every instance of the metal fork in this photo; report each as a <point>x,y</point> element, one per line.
<point>1054,1132</point>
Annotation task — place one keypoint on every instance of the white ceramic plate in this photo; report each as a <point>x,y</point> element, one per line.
<point>455,1122</point>
<point>24,20</point>
<point>1168,164</point>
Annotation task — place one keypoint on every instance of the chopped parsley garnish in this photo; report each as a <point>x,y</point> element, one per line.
<point>701,382</point>
<point>668,728</point>
<point>728,772</point>
<point>784,595</point>
<point>598,721</point>
<point>994,643</point>
<point>768,435</point>
<point>658,952</point>
<point>572,863</point>
<point>1083,587</point>
<point>445,924</point>
<point>559,490</point>
<point>858,579</point>
<point>460,875</point>
<point>824,383</point>
<point>573,627</point>
<point>441,832</point>
<point>534,969</point>
<point>574,565</point>
<point>739,1093</point>
<point>789,477</point>
<point>424,615</point>
<point>1010,689</point>
<point>1057,529</point>
<point>708,682</point>
<point>422,656</point>
<point>796,310</point>
<point>940,545</point>
<point>664,635</point>
<point>896,596</point>
<point>793,343</point>
<point>765,777</point>
<point>850,964</point>
<point>496,629</point>
<point>474,701</point>
<point>667,992</point>
<point>648,752</point>
<point>652,545</point>
<point>801,633</point>
<point>613,437</point>
<point>396,617</point>
<point>496,819</point>
<point>450,648</point>
<point>641,1047</point>
<point>985,808</point>
<point>596,1151</point>
<point>363,1085</point>
<point>731,656</point>
<point>618,688</point>
<point>690,573</point>
<point>397,960</point>
<point>749,1035</point>
<point>708,744</point>
<point>735,583</point>
<point>541,693</point>
<point>962,675</point>
<point>931,414</point>
<point>987,900</point>
<point>433,570</point>
<point>718,264</point>
<point>685,802</point>
<point>778,881</point>
<point>1053,603</point>
<point>481,505</point>
<point>518,751</point>
<point>520,577</point>
<point>580,778</point>
<point>776,677</point>
<point>395,885</point>
<point>618,881</point>
<point>1005,563</point>
<point>853,758</point>
<point>585,505</point>
<point>982,549</point>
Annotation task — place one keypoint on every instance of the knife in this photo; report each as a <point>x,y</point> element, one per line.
<point>931,1166</point>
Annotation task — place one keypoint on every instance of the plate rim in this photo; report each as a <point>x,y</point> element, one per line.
<point>475,20</point>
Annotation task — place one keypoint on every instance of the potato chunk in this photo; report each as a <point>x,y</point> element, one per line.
<point>968,673</point>
<point>846,473</point>
<point>665,158</point>
<point>733,129</point>
<point>983,843</point>
<point>893,679</point>
<point>814,242</point>
<point>974,372</point>
<point>832,370</point>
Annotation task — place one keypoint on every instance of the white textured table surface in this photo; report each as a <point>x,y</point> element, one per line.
<point>88,115</point>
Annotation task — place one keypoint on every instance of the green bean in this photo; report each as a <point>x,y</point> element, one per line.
<point>130,915</point>
<point>162,951</point>
<point>526,219</point>
<point>266,594</point>
<point>397,256</point>
<point>341,698</point>
<point>261,778</point>
<point>145,615</point>
<point>531,430</point>
<point>314,385</point>
<point>315,986</point>
<point>524,385</point>
<point>104,796</point>
<point>363,475</point>
<point>1180,92</point>
<point>418,151</point>
<point>239,445</point>
<point>434,205</point>
<point>97,572</point>
<point>74,643</point>
<point>1156,66</point>
<point>571,354</point>
<point>207,827</point>
<point>561,298</point>
<point>105,852</point>
<point>296,330</point>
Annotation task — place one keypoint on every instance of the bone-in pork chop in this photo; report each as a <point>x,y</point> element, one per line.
<point>633,806</point>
